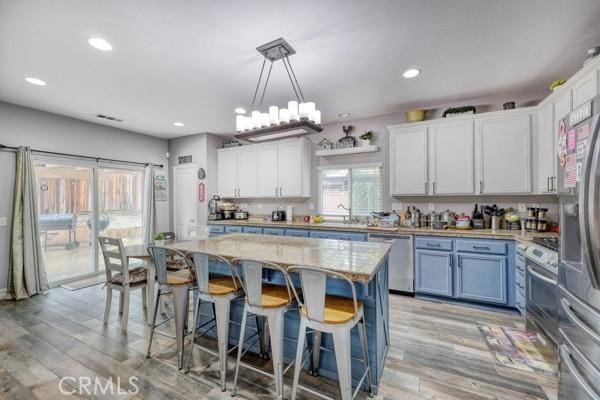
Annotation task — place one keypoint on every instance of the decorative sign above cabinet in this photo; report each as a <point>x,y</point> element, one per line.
<point>185,159</point>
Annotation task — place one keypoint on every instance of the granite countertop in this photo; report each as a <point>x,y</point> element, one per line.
<point>337,226</point>
<point>359,261</point>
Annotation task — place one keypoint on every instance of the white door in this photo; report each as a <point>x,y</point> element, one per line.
<point>408,161</point>
<point>546,154</point>
<point>185,210</point>
<point>267,165</point>
<point>227,169</point>
<point>451,158</point>
<point>290,169</point>
<point>585,89</point>
<point>246,171</point>
<point>504,154</point>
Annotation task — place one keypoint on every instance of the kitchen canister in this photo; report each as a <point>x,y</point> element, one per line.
<point>495,222</point>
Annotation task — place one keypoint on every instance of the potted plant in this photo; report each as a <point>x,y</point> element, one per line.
<point>366,138</point>
<point>159,240</point>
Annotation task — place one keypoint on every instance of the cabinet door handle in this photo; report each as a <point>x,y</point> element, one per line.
<point>280,192</point>
<point>275,192</point>
<point>480,186</point>
<point>433,244</point>
<point>481,247</point>
<point>425,187</point>
<point>553,184</point>
<point>433,190</point>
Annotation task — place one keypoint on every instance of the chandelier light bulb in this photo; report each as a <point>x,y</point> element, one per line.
<point>293,110</point>
<point>284,116</point>
<point>273,115</point>
<point>318,117</point>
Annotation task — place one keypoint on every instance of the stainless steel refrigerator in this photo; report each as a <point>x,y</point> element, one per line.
<point>579,254</point>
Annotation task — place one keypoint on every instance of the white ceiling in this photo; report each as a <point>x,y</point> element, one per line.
<point>195,61</point>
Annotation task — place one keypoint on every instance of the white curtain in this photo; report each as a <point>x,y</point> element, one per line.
<point>149,210</point>
<point>27,271</point>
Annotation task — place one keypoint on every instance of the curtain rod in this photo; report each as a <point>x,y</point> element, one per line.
<point>97,159</point>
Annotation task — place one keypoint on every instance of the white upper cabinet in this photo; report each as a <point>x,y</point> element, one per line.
<point>267,170</point>
<point>277,169</point>
<point>290,175</point>
<point>451,158</point>
<point>585,88</point>
<point>227,169</point>
<point>408,160</point>
<point>546,150</point>
<point>504,146</point>
<point>246,172</point>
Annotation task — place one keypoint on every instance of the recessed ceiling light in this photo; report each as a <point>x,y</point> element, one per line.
<point>411,73</point>
<point>240,110</point>
<point>35,81</point>
<point>178,123</point>
<point>100,44</point>
<point>344,115</point>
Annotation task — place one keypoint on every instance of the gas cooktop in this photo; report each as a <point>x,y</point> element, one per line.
<point>547,242</point>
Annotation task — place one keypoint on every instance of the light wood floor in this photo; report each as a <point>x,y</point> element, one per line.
<point>436,353</point>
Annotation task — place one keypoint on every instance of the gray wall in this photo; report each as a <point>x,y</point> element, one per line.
<point>51,132</point>
<point>203,149</point>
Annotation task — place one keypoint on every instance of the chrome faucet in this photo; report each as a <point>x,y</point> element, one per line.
<point>349,213</point>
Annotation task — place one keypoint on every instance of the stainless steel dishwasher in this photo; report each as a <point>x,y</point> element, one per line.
<point>401,266</point>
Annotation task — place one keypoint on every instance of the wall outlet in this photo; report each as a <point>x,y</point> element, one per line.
<point>522,207</point>
<point>397,206</point>
<point>311,205</point>
<point>536,205</point>
<point>431,206</point>
<point>3,221</point>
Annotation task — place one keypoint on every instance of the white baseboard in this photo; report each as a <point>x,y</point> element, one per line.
<point>2,294</point>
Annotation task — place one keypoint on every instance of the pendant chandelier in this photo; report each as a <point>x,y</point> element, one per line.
<point>299,118</point>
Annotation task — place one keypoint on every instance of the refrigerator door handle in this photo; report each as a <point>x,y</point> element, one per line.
<point>589,199</point>
<point>571,314</point>
<point>567,358</point>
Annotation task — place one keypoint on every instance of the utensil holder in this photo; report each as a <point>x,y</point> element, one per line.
<point>495,225</point>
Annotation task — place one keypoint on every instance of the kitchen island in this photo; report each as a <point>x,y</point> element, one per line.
<point>363,262</point>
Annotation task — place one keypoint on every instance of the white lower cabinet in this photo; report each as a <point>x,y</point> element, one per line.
<point>451,158</point>
<point>408,161</point>
<point>504,154</point>
<point>268,170</point>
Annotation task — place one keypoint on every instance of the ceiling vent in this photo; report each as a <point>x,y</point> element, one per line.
<point>109,118</point>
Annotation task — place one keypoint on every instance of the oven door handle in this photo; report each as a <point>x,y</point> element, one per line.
<point>567,358</point>
<point>540,276</point>
<point>571,313</point>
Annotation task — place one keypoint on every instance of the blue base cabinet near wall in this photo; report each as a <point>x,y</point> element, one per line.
<point>481,277</point>
<point>473,270</point>
<point>433,272</point>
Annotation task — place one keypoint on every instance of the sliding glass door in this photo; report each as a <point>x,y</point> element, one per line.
<point>65,207</point>
<point>120,198</point>
<point>78,203</point>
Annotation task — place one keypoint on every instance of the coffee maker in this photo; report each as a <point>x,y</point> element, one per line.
<point>214,213</point>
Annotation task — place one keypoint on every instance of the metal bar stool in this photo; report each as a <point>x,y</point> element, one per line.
<point>176,283</point>
<point>220,290</point>
<point>330,314</point>
<point>271,302</point>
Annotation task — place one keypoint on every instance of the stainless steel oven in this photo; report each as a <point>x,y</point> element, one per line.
<point>542,299</point>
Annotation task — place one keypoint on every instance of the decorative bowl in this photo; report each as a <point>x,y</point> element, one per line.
<point>415,115</point>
